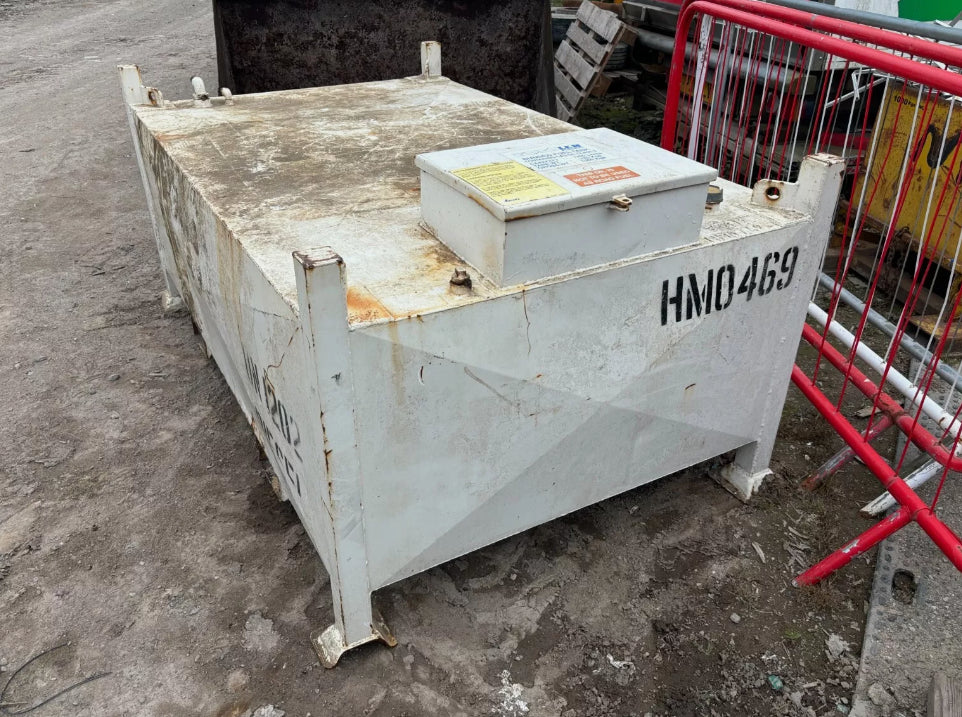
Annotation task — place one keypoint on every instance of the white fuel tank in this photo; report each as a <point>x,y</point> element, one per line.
<point>434,361</point>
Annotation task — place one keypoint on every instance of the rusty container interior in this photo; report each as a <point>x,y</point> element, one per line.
<point>502,47</point>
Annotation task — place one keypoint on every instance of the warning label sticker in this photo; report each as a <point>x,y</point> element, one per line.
<point>557,156</point>
<point>510,182</point>
<point>600,176</point>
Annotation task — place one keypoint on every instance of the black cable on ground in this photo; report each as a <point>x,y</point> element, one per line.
<point>7,711</point>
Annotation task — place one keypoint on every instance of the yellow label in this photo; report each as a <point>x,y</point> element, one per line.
<point>510,182</point>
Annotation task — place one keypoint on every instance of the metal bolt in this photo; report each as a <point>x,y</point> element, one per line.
<point>197,85</point>
<point>155,96</point>
<point>461,278</point>
<point>201,98</point>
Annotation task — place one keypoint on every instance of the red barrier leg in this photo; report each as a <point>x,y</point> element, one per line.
<point>843,556</point>
<point>947,541</point>
<point>840,459</point>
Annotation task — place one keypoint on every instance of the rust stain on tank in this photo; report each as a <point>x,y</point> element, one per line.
<point>169,136</point>
<point>363,306</point>
<point>520,216</point>
<point>480,203</point>
<point>327,462</point>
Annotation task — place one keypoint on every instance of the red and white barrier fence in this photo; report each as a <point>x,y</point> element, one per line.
<point>754,88</point>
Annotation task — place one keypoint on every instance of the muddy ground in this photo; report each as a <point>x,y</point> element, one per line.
<point>137,525</point>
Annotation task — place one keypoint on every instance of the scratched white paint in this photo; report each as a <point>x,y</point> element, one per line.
<point>410,421</point>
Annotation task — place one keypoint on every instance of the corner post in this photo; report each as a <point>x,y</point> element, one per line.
<point>135,93</point>
<point>815,194</point>
<point>431,59</point>
<point>322,306</point>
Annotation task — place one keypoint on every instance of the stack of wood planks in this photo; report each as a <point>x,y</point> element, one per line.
<point>581,58</point>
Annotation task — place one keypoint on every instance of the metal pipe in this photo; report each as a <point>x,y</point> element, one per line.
<point>840,459</point>
<point>927,75</point>
<point>907,423</point>
<point>933,410</point>
<point>913,481</point>
<point>930,31</point>
<point>664,43</point>
<point>911,346</point>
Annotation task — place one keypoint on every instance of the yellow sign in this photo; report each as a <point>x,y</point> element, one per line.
<point>927,136</point>
<point>510,182</point>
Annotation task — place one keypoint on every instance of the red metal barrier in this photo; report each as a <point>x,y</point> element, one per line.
<point>762,85</point>
<point>886,404</point>
<point>948,54</point>
<point>833,464</point>
<point>913,508</point>
<point>923,74</point>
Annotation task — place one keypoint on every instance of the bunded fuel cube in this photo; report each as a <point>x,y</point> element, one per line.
<point>449,318</point>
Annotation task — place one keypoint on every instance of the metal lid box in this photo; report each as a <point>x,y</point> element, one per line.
<point>527,209</point>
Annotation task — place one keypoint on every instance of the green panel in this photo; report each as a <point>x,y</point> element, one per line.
<point>929,9</point>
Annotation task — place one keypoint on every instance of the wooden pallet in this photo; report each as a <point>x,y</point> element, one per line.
<point>581,58</point>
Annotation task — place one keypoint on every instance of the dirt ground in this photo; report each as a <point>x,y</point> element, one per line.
<point>137,525</point>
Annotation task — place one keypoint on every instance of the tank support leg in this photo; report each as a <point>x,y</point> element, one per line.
<point>322,306</point>
<point>744,475</point>
<point>330,644</point>
<point>136,93</point>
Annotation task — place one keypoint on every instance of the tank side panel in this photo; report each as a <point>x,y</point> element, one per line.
<point>482,421</point>
<point>252,333</point>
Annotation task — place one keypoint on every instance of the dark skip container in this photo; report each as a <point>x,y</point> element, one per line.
<point>502,47</point>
